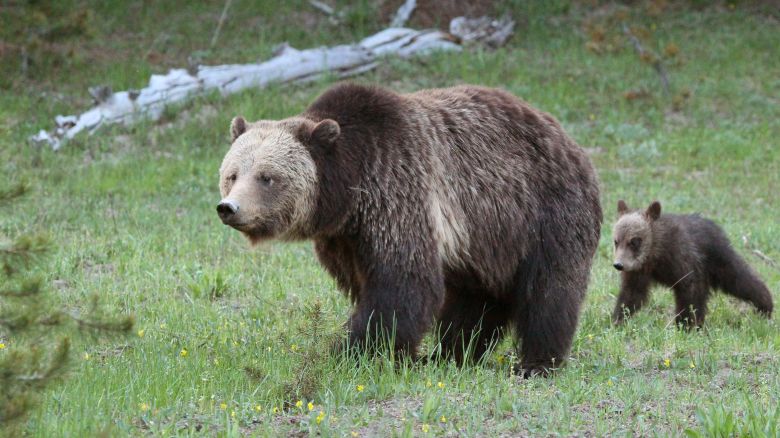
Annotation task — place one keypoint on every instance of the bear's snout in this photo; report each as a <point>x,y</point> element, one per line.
<point>618,266</point>
<point>227,209</point>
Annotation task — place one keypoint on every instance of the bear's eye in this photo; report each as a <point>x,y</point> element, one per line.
<point>232,177</point>
<point>635,242</point>
<point>266,180</point>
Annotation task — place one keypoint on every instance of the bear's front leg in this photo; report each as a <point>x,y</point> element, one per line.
<point>691,302</point>
<point>398,300</point>
<point>634,292</point>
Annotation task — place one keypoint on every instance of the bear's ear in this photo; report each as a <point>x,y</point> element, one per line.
<point>326,131</point>
<point>237,127</point>
<point>622,208</point>
<point>653,211</point>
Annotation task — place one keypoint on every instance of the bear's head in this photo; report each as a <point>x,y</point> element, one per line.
<point>268,178</point>
<point>633,235</point>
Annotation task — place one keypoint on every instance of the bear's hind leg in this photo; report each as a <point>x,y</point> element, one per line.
<point>691,300</point>
<point>548,321</point>
<point>732,275</point>
<point>470,325</point>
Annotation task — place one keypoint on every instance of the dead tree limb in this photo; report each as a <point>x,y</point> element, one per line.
<point>654,60</point>
<point>404,13</point>
<point>756,252</point>
<point>220,23</point>
<point>287,65</point>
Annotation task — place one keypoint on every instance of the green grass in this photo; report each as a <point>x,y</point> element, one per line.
<point>131,212</point>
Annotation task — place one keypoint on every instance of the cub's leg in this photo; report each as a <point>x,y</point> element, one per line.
<point>634,294</point>
<point>731,274</point>
<point>691,296</point>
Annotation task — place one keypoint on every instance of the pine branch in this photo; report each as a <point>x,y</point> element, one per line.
<point>124,324</point>
<point>9,195</point>
<point>56,365</point>
<point>28,288</point>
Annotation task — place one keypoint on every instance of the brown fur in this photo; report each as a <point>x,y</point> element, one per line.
<point>687,253</point>
<point>463,205</point>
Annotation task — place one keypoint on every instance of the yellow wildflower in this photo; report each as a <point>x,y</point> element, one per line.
<point>692,365</point>
<point>275,410</point>
<point>440,385</point>
<point>609,382</point>
<point>86,356</point>
<point>258,408</point>
<point>360,388</point>
<point>310,406</point>
<point>223,406</point>
<point>667,363</point>
<point>2,346</point>
<point>443,419</point>
<point>141,333</point>
<point>590,337</point>
<point>298,404</point>
<point>320,417</point>
<point>143,406</point>
<point>183,352</point>
<point>163,325</point>
<point>233,414</point>
<point>425,428</point>
<point>294,347</point>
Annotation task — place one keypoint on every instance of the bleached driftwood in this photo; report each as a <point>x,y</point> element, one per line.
<point>484,30</point>
<point>404,13</point>
<point>333,16</point>
<point>289,65</point>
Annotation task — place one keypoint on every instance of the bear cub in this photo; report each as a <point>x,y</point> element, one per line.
<point>687,253</point>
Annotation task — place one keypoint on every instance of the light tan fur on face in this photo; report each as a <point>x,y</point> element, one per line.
<point>630,226</point>
<point>269,148</point>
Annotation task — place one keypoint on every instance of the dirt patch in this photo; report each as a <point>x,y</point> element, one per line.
<point>95,269</point>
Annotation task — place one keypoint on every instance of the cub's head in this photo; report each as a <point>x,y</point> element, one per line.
<point>268,179</point>
<point>633,236</point>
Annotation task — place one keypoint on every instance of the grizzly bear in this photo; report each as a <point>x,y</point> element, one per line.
<point>687,253</point>
<point>462,205</point>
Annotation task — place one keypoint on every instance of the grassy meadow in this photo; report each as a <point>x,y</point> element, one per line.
<point>232,341</point>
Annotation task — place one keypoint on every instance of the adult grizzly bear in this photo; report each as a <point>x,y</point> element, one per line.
<point>462,204</point>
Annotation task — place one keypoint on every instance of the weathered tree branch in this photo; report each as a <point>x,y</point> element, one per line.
<point>288,65</point>
<point>654,60</point>
<point>404,13</point>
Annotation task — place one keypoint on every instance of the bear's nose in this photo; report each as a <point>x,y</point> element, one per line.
<point>226,209</point>
<point>618,266</point>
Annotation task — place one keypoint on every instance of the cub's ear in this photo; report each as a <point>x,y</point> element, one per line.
<point>237,127</point>
<point>326,131</point>
<point>622,208</point>
<point>654,210</point>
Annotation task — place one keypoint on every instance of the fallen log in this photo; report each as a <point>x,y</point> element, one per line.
<point>288,65</point>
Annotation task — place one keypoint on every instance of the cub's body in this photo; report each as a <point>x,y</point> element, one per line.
<point>687,253</point>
